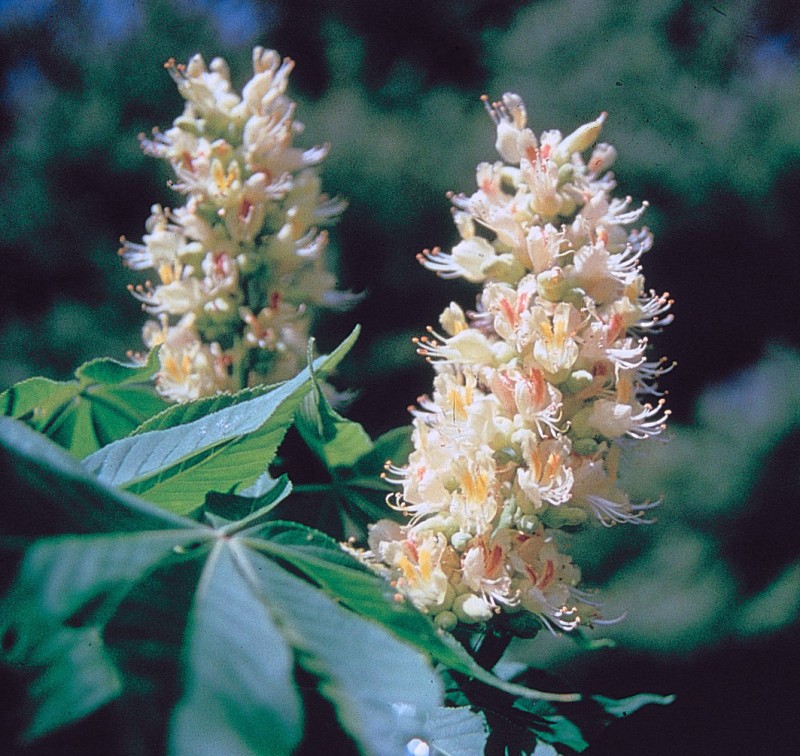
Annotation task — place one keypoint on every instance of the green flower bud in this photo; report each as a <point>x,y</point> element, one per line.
<point>447,601</point>
<point>563,517</point>
<point>585,446</point>
<point>460,540</point>
<point>528,523</point>
<point>578,381</point>
<point>550,284</point>
<point>565,173</point>
<point>505,268</point>
<point>446,621</point>
<point>579,423</point>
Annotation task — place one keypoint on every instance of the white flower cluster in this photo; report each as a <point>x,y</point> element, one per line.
<point>241,262</point>
<point>533,391</point>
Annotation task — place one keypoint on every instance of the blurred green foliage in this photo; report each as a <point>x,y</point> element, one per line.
<point>704,109</point>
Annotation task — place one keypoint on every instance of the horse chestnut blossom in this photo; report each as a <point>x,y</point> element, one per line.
<point>534,391</point>
<point>240,265</point>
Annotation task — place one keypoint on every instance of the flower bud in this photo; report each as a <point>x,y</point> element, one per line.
<point>470,608</point>
<point>579,140</point>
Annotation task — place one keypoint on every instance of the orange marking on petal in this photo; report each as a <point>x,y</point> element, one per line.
<point>538,389</point>
<point>186,161</point>
<point>510,314</point>
<point>553,463</point>
<point>493,559</point>
<point>245,210</point>
<point>615,327</point>
<point>549,573</point>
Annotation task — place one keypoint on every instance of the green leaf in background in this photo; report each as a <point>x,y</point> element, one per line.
<point>176,466</point>
<point>623,707</point>
<point>358,492</point>
<point>395,446</point>
<point>106,401</point>
<point>519,725</point>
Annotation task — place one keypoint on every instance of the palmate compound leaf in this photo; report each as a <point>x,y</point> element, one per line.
<point>356,492</point>
<point>250,619</point>
<point>342,443</point>
<point>106,401</point>
<point>178,464</point>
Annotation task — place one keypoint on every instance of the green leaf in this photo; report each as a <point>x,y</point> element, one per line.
<point>108,371</point>
<point>363,491</point>
<point>265,504</point>
<point>240,697</point>
<point>106,401</point>
<point>72,623</point>
<point>551,726</point>
<point>337,441</point>
<point>181,414</point>
<point>393,446</point>
<point>382,689</point>
<point>358,493</point>
<point>176,466</point>
<point>230,508</point>
<point>48,491</point>
<point>52,620</point>
<point>456,731</point>
<point>520,723</point>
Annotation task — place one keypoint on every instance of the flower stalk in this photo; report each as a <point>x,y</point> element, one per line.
<point>239,268</point>
<point>535,390</point>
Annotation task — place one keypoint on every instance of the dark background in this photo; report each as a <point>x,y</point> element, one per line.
<point>704,109</point>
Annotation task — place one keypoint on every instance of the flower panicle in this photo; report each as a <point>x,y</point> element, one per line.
<point>237,270</point>
<point>518,445</point>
